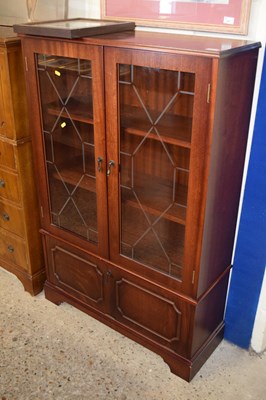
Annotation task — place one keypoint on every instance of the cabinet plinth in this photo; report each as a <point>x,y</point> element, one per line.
<point>140,150</point>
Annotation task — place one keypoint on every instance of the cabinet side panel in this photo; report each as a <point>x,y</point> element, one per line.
<point>14,121</point>
<point>30,205</point>
<point>18,92</point>
<point>209,315</point>
<point>7,128</point>
<point>236,77</point>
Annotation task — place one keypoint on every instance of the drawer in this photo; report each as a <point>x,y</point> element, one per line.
<point>13,249</point>
<point>12,218</point>
<point>9,186</point>
<point>7,155</point>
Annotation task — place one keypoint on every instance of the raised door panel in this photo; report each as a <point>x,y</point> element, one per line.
<point>76,273</point>
<point>152,312</point>
<point>70,140</point>
<point>157,131</point>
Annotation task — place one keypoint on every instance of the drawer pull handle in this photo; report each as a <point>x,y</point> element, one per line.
<point>2,183</point>
<point>5,217</point>
<point>10,249</point>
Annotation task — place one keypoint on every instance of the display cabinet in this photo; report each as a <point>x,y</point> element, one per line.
<point>139,142</point>
<point>20,242</point>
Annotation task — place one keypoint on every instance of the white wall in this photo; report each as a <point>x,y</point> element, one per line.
<point>258,340</point>
<point>85,8</point>
<point>15,11</point>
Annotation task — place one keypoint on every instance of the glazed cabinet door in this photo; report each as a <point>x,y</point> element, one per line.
<point>70,139</point>
<point>157,133</point>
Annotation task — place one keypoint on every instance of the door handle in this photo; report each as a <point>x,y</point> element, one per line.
<point>111,164</point>
<point>99,162</point>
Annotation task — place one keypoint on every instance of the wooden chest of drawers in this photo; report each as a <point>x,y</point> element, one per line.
<point>20,243</point>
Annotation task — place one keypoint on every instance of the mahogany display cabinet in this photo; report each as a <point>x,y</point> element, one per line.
<point>139,143</point>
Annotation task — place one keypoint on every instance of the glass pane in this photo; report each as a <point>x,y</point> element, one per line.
<point>156,108</point>
<point>67,123</point>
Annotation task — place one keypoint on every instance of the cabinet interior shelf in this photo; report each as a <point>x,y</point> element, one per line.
<point>177,213</point>
<point>73,175</point>
<point>81,67</point>
<point>76,110</point>
<point>155,204</point>
<point>133,237</point>
<point>172,129</point>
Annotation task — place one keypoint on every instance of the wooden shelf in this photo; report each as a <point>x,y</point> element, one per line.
<point>145,248</point>
<point>71,175</point>
<point>77,110</point>
<point>155,204</point>
<point>67,64</point>
<point>176,213</point>
<point>76,212</point>
<point>173,129</point>
<point>63,141</point>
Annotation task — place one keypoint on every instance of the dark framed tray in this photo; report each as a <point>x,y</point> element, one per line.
<point>72,28</point>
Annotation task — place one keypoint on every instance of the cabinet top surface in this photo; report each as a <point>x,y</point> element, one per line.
<point>202,45</point>
<point>168,42</point>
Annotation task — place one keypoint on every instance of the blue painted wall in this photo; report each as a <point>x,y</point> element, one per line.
<point>250,255</point>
